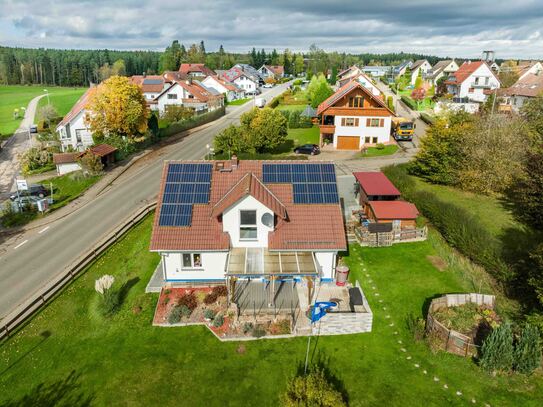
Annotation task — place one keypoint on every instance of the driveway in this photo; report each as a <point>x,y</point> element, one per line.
<point>15,145</point>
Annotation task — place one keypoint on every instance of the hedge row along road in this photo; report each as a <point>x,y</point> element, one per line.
<point>35,258</point>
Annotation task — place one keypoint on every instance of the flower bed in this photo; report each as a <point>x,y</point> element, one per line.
<point>468,318</point>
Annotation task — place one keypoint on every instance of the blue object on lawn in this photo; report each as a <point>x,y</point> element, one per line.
<point>319,309</point>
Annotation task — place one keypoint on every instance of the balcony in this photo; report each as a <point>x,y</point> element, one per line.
<point>480,85</point>
<point>327,128</point>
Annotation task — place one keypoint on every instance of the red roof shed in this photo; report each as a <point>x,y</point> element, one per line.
<point>376,183</point>
<point>393,210</point>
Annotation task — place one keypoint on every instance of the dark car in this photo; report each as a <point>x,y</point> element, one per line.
<point>36,190</point>
<point>311,149</point>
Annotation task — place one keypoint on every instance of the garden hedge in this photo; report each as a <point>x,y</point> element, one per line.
<point>194,121</point>
<point>426,118</point>
<point>409,102</point>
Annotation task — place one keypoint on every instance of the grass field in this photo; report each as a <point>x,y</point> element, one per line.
<point>376,152</point>
<point>304,136</point>
<point>425,104</point>
<point>17,96</point>
<point>69,354</point>
<point>62,99</point>
<point>239,102</point>
<point>291,107</point>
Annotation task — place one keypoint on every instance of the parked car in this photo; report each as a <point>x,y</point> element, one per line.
<point>34,190</point>
<point>268,85</point>
<point>33,128</point>
<point>22,202</point>
<point>311,149</point>
<point>260,102</point>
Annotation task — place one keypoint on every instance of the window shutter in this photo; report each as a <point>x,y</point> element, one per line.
<point>382,123</point>
<point>356,122</point>
<point>343,121</point>
<point>368,122</point>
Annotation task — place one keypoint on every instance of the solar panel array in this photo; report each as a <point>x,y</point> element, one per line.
<point>313,183</point>
<point>186,185</point>
<point>153,81</point>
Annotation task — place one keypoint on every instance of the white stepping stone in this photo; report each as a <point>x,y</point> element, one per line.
<point>399,341</point>
<point>458,393</point>
<point>373,287</point>
<point>416,365</point>
<point>387,316</point>
<point>381,301</point>
<point>445,386</point>
<point>403,350</point>
<point>377,294</point>
<point>395,332</point>
<point>436,379</point>
<point>408,358</point>
<point>384,308</point>
<point>425,372</point>
<point>391,324</point>
<point>473,401</point>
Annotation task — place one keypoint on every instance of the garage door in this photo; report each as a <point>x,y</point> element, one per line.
<point>348,143</point>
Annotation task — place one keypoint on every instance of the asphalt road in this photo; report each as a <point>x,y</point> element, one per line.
<point>41,255</point>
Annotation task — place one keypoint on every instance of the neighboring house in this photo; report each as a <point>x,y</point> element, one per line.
<point>374,186</point>
<point>377,71</point>
<point>472,82</point>
<point>72,130</point>
<point>151,85</point>
<point>196,70</point>
<point>188,93</point>
<point>441,69</point>
<point>529,87</point>
<point>229,89</point>
<point>419,68</point>
<point>272,71</point>
<point>69,162</point>
<point>526,68</point>
<point>235,221</point>
<point>348,73</point>
<point>365,81</point>
<point>401,69</point>
<point>248,83</point>
<point>353,118</point>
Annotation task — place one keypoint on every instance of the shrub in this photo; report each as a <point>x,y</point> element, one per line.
<point>110,302</point>
<point>294,119</point>
<point>313,389</point>
<point>218,321</point>
<point>528,350</point>
<point>209,314</point>
<point>183,125</point>
<point>185,311</point>
<point>211,298</point>
<point>426,118</point>
<point>281,327</point>
<point>35,158</point>
<point>247,327</point>
<point>175,315</point>
<point>390,102</point>
<point>380,146</point>
<point>220,290</point>
<point>497,350</point>
<point>416,326</point>
<point>91,163</point>
<point>409,102</point>
<point>305,122</point>
<point>189,300</point>
<point>258,331</point>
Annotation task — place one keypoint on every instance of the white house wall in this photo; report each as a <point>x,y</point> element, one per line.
<point>326,261</point>
<point>231,221</point>
<point>164,101</point>
<point>363,131</point>
<point>67,168</point>
<point>213,267</point>
<point>69,138</point>
<point>245,83</point>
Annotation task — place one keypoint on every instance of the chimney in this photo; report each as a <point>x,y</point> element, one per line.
<point>234,161</point>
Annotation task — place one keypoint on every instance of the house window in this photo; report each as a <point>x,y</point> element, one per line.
<point>247,225</point>
<point>349,121</point>
<point>373,123</point>
<point>192,260</point>
<point>374,140</point>
<point>79,136</point>
<point>367,140</point>
<point>471,90</point>
<point>172,96</point>
<point>357,101</point>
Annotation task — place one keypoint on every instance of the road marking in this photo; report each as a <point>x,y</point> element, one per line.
<point>20,244</point>
<point>43,230</point>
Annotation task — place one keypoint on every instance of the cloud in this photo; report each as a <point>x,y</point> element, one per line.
<point>461,28</point>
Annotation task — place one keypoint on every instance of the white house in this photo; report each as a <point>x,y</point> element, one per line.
<point>189,93</point>
<point>246,220</point>
<point>365,81</point>
<point>441,69</point>
<point>472,82</point>
<point>238,77</point>
<point>353,118</point>
<point>401,69</point>
<point>230,90</point>
<point>72,130</point>
<point>272,71</point>
<point>420,67</point>
<point>151,85</point>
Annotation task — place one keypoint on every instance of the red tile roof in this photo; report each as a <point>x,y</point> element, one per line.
<point>387,210</point>
<point>305,226</point>
<point>276,69</point>
<point>529,86</point>
<point>149,83</point>
<point>464,72</point>
<point>78,107</point>
<point>344,91</point>
<point>101,150</point>
<point>376,183</point>
<point>65,158</point>
<point>192,68</point>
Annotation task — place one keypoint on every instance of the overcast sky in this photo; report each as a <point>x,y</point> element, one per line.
<point>460,28</point>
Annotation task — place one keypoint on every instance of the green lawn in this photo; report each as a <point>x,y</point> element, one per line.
<point>69,354</point>
<point>292,107</point>
<point>425,104</point>
<point>376,152</point>
<point>17,96</point>
<point>62,99</point>
<point>239,102</point>
<point>66,188</point>
<point>304,136</point>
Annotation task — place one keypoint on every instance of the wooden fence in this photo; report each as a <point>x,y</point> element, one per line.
<point>25,311</point>
<point>449,339</point>
<point>365,238</point>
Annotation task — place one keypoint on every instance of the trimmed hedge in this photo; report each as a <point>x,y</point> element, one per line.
<point>426,118</point>
<point>191,123</point>
<point>459,227</point>
<point>409,102</point>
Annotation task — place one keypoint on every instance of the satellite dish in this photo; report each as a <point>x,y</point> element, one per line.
<point>267,220</point>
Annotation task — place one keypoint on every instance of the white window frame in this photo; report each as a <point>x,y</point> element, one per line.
<point>248,225</point>
<point>193,263</point>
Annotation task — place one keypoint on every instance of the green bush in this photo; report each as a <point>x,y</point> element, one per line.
<point>178,127</point>
<point>390,103</point>
<point>426,118</point>
<point>109,302</point>
<point>528,350</point>
<point>313,389</point>
<point>175,315</point>
<point>185,311</point>
<point>380,146</point>
<point>247,327</point>
<point>218,321</point>
<point>497,350</point>
<point>297,82</point>
<point>258,331</point>
<point>409,102</point>
<point>209,314</point>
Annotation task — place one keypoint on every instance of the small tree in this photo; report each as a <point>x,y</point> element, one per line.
<point>263,129</point>
<point>497,349</point>
<point>91,163</point>
<point>323,92</point>
<point>174,113</point>
<point>47,113</point>
<point>418,81</point>
<point>528,350</point>
<point>390,102</point>
<point>230,141</point>
<point>418,95</point>
<point>313,390</point>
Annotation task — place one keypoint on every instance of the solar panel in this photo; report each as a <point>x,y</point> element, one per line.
<point>152,81</point>
<point>312,183</point>
<point>186,185</point>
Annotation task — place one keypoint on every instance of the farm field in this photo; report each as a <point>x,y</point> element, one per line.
<point>69,353</point>
<point>62,99</point>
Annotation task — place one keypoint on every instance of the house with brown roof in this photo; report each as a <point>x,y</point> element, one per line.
<point>441,69</point>
<point>272,71</point>
<point>185,91</point>
<point>364,80</point>
<point>151,85</point>
<point>73,132</point>
<point>219,221</point>
<point>353,118</point>
<point>230,90</point>
<point>69,162</point>
<point>472,82</point>
<point>196,70</point>
<point>420,68</point>
<point>527,87</point>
